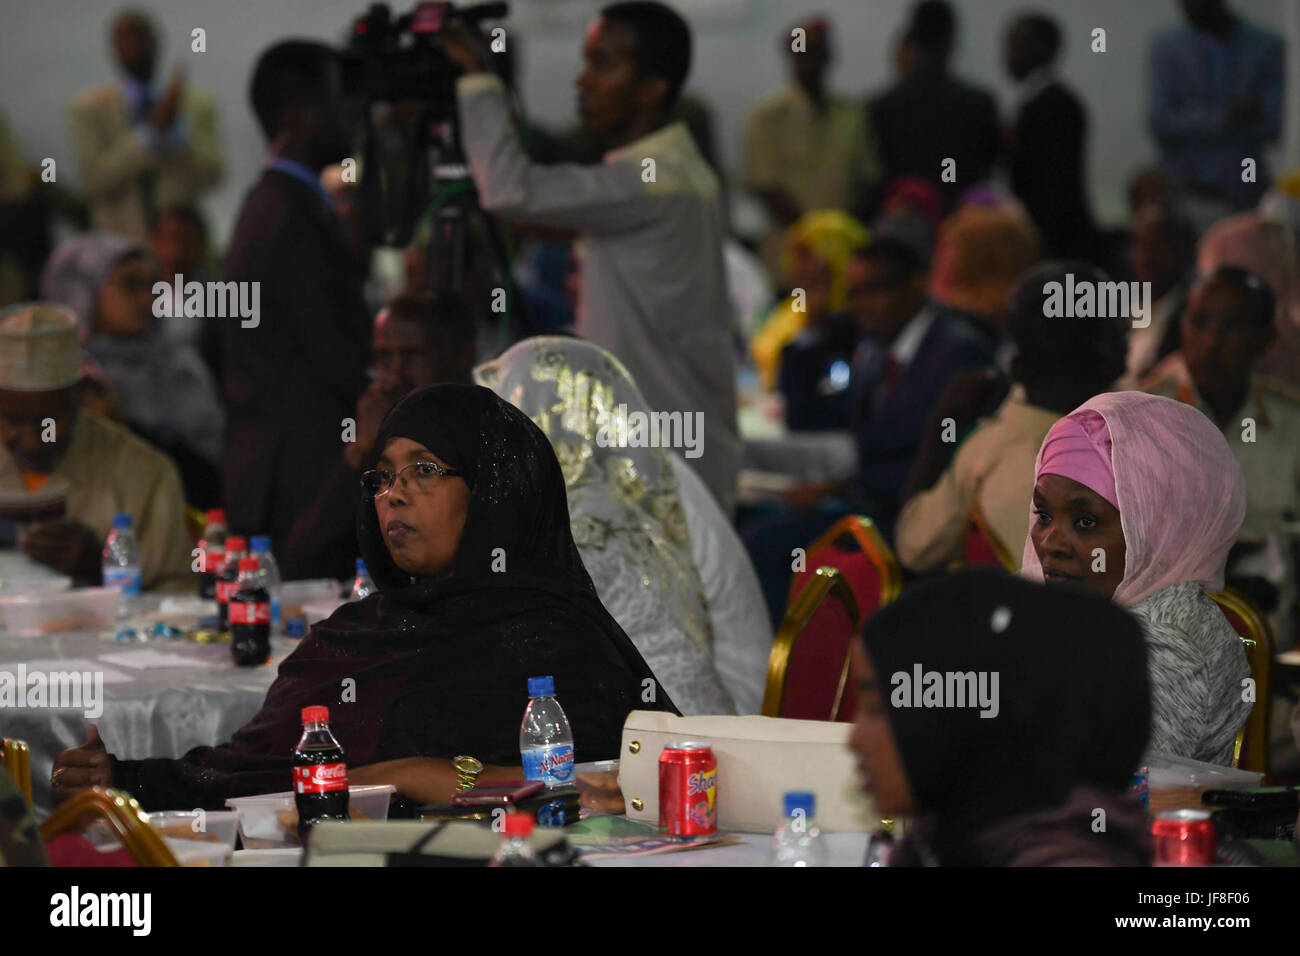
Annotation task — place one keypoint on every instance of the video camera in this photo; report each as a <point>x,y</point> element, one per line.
<point>416,184</point>
<point>388,61</point>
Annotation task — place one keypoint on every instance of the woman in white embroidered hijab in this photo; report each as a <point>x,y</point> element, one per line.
<point>624,508</point>
<point>1138,497</point>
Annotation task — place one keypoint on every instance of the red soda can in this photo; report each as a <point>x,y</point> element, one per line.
<point>1183,838</point>
<point>688,789</point>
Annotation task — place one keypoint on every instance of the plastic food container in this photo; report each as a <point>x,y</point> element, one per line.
<point>200,826</point>
<point>314,589</point>
<point>270,821</point>
<point>291,856</point>
<point>1175,783</point>
<point>319,610</point>
<point>82,609</point>
<point>199,852</point>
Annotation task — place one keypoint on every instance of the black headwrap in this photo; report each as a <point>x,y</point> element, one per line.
<point>517,498</point>
<point>1073,699</point>
<point>439,666</point>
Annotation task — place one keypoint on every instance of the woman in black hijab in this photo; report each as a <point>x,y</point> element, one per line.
<point>1030,763</point>
<point>464,527</point>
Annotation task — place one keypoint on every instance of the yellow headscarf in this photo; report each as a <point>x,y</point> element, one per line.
<point>831,236</point>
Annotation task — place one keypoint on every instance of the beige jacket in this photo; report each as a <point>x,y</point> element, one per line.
<point>109,470</point>
<point>112,158</point>
<point>993,468</point>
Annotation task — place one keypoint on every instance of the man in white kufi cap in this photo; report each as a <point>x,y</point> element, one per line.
<point>50,446</point>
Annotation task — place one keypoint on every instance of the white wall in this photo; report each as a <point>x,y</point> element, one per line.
<point>52,49</point>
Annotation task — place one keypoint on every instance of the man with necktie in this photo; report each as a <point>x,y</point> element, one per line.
<point>907,354</point>
<point>140,147</point>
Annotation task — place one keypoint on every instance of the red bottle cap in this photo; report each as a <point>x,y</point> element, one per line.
<point>248,564</point>
<point>215,516</point>
<point>519,825</point>
<point>315,714</point>
<point>236,543</point>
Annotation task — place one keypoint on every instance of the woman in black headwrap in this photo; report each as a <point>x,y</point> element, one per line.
<point>1030,764</point>
<point>464,527</point>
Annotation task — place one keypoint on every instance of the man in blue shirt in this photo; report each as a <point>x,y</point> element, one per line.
<point>1216,100</point>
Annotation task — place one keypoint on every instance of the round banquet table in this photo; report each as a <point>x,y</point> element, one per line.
<point>160,698</point>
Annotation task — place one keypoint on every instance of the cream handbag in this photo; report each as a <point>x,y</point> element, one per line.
<point>759,759</point>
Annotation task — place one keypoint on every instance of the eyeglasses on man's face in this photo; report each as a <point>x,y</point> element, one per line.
<point>425,474</point>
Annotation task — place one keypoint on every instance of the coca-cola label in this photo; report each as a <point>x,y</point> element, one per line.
<point>212,561</point>
<point>224,590</point>
<point>320,778</point>
<point>250,612</point>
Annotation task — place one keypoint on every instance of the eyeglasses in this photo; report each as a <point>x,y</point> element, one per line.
<point>379,481</point>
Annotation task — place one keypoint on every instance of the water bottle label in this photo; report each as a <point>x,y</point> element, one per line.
<point>551,765</point>
<point>275,611</point>
<point>127,579</point>
<point>250,612</point>
<point>320,778</point>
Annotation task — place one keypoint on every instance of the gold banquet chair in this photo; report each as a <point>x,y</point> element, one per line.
<point>1250,752</point>
<point>808,669</point>
<point>18,761</point>
<point>124,817</point>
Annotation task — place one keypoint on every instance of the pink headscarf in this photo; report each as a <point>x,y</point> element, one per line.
<point>1181,495</point>
<point>1079,448</point>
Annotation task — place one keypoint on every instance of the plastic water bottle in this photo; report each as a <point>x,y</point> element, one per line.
<point>545,740</point>
<point>121,563</point>
<point>514,849</point>
<point>362,586</point>
<point>260,548</point>
<point>798,842</point>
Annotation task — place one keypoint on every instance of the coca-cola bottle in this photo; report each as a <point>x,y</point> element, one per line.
<point>250,616</point>
<point>227,574</point>
<point>320,773</point>
<point>213,551</point>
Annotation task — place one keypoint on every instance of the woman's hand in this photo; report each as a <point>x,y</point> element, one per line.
<point>90,765</point>
<point>424,779</point>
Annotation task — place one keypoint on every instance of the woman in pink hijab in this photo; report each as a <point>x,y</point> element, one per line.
<point>1139,498</point>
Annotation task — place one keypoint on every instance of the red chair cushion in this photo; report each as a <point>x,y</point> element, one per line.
<point>861,573</point>
<point>978,549</point>
<point>73,849</point>
<point>816,663</point>
<point>1237,623</point>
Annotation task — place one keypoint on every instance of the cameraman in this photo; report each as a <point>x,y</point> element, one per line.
<point>652,282</point>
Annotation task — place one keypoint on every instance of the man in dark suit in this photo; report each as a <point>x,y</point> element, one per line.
<point>292,378</point>
<point>419,339</point>
<point>929,115</point>
<point>1046,142</point>
<point>908,353</point>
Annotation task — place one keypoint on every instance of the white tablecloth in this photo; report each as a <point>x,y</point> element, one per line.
<point>842,849</point>
<point>153,711</point>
